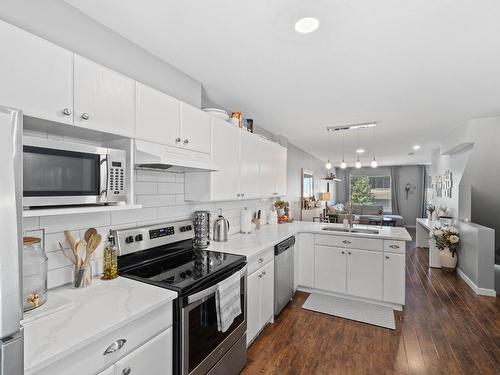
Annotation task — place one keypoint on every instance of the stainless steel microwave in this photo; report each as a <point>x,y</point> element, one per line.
<point>59,173</point>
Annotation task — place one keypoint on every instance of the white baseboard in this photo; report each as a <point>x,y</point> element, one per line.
<point>474,287</point>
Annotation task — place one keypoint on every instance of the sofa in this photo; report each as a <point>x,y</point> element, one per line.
<point>364,214</point>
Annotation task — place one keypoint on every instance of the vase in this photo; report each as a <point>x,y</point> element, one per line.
<point>448,260</point>
<point>435,216</point>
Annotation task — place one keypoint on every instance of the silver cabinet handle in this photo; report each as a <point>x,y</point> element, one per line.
<point>177,140</point>
<point>394,246</point>
<point>349,253</point>
<point>126,371</point>
<point>342,252</point>
<point>85,116</point>
<point>264,273</point>
<point>66,111</point>
<point>260,276</point>
<point>261,260</point>
<point>117,345</point>
<point>387,257</point>
<point>186,141</point>
<point>243,194</point>
<point>346,242</point>
<point>238,195</point>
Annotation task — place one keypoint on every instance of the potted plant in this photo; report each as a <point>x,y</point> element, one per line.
<point>447,241</point>
<point>280,207</point>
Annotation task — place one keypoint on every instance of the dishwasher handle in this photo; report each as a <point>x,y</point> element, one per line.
<point>284,245</point>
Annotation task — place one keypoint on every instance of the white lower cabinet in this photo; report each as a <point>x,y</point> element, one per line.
<point>330,271</point>
<point>365,273</point>
<point>394,278</point>
<point>154,357</point>
<point>260,299</point>
<point>330,263</point>
<point>306,260</point>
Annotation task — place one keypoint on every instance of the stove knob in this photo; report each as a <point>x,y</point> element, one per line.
<point>138,238</point>
<point>182,275</point>
<point>189,272</point>
<point>129,239</point>
<point>183,229</point>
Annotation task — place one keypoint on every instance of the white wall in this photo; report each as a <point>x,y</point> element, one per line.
<point>58,22</point>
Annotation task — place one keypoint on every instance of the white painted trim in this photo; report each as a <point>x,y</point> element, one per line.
<point>474,287</point>
<point>393,306</point>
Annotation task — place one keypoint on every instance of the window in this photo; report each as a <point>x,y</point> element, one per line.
<point>371,190</point>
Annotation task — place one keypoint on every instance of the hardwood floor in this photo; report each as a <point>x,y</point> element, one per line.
<point>445,328</point>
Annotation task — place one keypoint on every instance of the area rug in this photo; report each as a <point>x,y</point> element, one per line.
<point>349,309</point>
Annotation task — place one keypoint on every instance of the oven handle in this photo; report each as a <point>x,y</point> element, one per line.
<point>211,290</point>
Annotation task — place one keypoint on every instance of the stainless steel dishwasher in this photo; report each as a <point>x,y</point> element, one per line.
<point>283,273</point>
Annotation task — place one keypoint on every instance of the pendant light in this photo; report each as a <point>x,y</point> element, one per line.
<point>373,163</point>
<point>358,163</point>
<point>343,164</point>
<point>328,165</point>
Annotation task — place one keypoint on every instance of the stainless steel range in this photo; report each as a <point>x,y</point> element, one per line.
<point>163,255</point>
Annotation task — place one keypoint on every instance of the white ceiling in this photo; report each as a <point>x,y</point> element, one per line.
<point>419,68</point>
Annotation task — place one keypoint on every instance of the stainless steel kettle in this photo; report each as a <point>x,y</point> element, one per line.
<point>221,228</point>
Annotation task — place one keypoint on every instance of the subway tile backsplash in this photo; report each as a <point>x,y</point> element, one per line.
<point>162,197</point>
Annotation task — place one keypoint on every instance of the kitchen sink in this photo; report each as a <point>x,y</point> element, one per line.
<point>354,230</point>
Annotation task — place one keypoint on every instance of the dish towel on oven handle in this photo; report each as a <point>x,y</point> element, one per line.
<point>228,301</point>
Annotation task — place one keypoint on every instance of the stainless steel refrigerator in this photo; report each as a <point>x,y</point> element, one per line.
<point>11,338</point>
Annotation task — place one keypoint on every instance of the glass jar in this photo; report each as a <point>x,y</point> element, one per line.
<point>34,273</point>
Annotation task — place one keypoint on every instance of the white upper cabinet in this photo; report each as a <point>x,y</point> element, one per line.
<point>104,99</point>
<point>158,116</point>
<point>195,129</point>
<point>225,183</point>
<point>273,169</point>
<point>249,165</point>
<point>36,76</point>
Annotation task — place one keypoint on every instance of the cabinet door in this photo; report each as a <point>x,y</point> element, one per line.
<point>195,129</point>
<point>158,116</point>
<point>225,153</point>
<point>394,278</point>
<point>36,76</point>
<point>267,164</point>
<point>249,164</point>
<point>253,305</point>
<point>154,357</point>
<point>267,293</point>
<point>280,169</point>
<point>330,268</point>
<point>104,99</point>
<point>306,260</point>
<point>365,273</point>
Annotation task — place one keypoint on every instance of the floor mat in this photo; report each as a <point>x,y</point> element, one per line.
<point>349,309</point>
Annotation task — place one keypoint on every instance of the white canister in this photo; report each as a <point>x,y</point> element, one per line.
<point>246,221</point>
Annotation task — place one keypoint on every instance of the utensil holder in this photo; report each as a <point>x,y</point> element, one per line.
<point>82,276</point>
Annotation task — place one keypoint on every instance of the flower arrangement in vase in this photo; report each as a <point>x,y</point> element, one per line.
<point>447,241</point>
<point>430,209</point>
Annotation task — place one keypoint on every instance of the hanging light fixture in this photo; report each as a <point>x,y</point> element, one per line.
<point>328,165</point>
<point>358,163</point>
<point>343,164</point>
<point>373,163</point>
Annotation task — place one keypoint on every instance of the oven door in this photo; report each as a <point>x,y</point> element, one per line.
<point>60,173</point>
<point>202,344</point>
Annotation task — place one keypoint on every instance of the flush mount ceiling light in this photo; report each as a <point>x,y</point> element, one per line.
<point>306,25</point>
<point>416,147</point>
<point>363,125</point>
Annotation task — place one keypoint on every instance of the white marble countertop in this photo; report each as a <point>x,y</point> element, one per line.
<point>72,318</point>
<point>254,243</point>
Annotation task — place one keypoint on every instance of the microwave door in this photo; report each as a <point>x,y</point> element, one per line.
<point>11,343</point>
